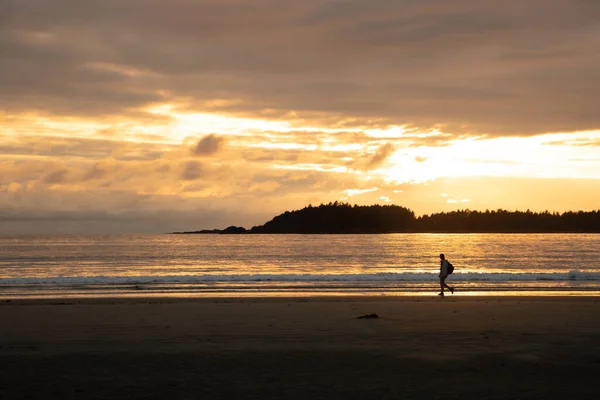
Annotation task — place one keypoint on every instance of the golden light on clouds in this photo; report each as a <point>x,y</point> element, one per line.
<point>182,118</point>
<point>497,157</point>
<point>125,70</point>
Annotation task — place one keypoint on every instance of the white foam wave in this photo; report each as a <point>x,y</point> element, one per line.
<point>573,275</point>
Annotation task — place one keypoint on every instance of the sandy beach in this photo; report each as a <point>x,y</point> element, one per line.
<point>309,348</point>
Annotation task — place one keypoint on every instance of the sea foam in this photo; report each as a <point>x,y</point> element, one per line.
<point>573,275</point>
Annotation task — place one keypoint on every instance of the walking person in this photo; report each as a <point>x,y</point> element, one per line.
<point>444,272</point>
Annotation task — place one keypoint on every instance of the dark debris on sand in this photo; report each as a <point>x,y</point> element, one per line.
<point>368,316</point>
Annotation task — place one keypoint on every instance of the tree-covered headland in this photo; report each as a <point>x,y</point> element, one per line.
<point>339,217</point>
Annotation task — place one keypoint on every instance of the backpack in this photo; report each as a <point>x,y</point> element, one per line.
<point>450,268</point>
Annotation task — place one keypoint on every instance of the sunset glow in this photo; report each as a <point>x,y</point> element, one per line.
<point>141,120</point>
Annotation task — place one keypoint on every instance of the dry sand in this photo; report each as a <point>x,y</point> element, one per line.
<point>301,348</point>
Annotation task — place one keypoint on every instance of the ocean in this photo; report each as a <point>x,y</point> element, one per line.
<point>296,265</point>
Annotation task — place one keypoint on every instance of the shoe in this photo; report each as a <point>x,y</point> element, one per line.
<point>441,294</point>
<point>452,290</point>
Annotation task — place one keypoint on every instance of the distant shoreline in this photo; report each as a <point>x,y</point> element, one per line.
<point>248,232</point>
<point>343,218</point>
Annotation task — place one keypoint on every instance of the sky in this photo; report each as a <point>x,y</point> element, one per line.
<point>161,115</point>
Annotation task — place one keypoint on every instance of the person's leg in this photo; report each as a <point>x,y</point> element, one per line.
<point>442,284</point>
<point>449,287</point>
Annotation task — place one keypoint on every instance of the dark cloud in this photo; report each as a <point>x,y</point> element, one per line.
<point>467,66</point>
<point>81,147</point>
<point>95,172</point>
<point>55,176</point>
<point>191,171</point>
<point>208,145</point>
<point>380,156</point>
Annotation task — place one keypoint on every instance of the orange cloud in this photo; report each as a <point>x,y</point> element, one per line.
<point>208,145</point>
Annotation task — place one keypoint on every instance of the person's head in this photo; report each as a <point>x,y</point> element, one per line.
<point>442,256</point>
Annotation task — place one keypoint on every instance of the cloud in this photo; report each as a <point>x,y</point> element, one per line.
<point>467,67</point>
<point>121,106</point>
<point>134,196</point>
<point>95,172</point>
<point>61,146</point>
<point>208,145</point>
<point>191,171</point>
<point>583,142</point>
<point>55,176</point>
<point>380,156</point>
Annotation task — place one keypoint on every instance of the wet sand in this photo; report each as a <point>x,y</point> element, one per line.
<point>301,348</point>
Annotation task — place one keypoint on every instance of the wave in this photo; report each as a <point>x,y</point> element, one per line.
<point>573,275</point>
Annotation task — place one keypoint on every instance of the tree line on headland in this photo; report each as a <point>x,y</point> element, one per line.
<point>339,217</point>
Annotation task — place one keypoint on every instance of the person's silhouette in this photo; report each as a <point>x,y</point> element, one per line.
<point>444,275</point>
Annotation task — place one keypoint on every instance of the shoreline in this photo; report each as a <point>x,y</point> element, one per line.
<point>162,298</point>
<point>572,283</point>
<point>302,296</point>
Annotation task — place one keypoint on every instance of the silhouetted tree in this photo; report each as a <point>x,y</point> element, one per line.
<point>340,217</point>
<point>510,221</point>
